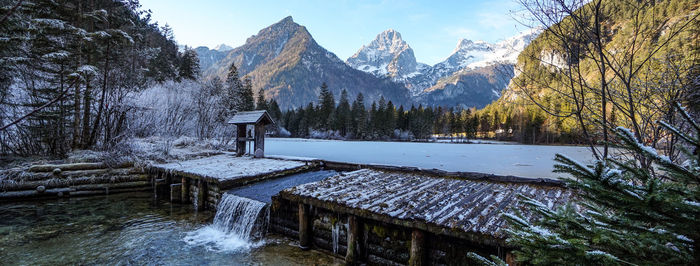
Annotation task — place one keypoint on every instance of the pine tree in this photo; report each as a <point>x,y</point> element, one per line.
<point>261,104</point>
<point>274,109</point>
<point>342,114</point>
<point>389,119</point>
<point>327,106</point>
<point>359,117</point>
<point>628,213</point>
<point>189,65</point>
<point>246,96</point>
<point>232,90</point>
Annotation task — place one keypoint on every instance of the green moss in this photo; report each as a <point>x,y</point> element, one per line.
<point>379,231</point>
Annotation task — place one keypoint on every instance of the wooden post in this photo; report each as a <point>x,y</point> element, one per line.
<point>304,227</point>
<point>417,248</point>
<point>355,248</point>
<point>259,138</point>
<point>185,193</point>
<point>240,139</point>
<point>510,258</point>
<point>175,192</point>
<point>201,194</point>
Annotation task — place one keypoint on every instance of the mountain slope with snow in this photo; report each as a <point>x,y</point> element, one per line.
<point>474,74</point>
<point>287,63</point>
<point>388,55</point>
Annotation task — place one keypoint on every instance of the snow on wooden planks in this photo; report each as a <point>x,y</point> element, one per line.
<point>227,167</point>
<point>441,205</point>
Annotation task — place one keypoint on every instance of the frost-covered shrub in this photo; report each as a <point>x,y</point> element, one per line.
<point>175,109</point>
<point>326,134</point>
<point>404,135</point>
<point>184,141</point>
<point>283,132</point>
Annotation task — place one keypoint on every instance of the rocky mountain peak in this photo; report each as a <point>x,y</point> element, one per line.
<point>469,45</point>
<point>388,55</point>
<point>223,48</point>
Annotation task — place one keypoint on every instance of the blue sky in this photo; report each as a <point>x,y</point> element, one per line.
<point>431,28</point>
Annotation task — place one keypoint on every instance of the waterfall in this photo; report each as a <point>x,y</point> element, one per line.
<point>239,224</point>
<point>241,216</point>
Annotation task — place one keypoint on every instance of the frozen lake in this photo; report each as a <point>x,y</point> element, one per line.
<point>500,159</point>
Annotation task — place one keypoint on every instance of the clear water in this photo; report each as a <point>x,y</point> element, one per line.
<point>263,191</point>
<point>535,161</point>
<point>127,229</point>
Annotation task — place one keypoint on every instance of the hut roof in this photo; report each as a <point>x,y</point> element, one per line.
<point>251,117</point>
<point>469,206</point>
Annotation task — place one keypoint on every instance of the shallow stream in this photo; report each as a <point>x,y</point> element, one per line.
<point>129,228</point>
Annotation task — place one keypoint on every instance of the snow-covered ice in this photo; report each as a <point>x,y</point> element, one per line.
<point>534,161</point>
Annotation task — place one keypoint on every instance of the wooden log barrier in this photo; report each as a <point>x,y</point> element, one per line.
<point>355,249</point>
<point>185,192</point>
<point>304,227</point>
<point>417,256</point>
<point>76,166</point>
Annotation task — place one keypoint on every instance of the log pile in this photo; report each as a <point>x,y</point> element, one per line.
<point>69,180</point>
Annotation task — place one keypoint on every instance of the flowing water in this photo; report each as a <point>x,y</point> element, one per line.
<point>131,228</point>
<point>264,190</point>
<point>240,224</point>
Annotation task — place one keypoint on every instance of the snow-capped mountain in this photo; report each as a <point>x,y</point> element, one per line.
<point>388,55</point>
<point>223,48</point>
<point>474,74</point>
<point>472,54</point>
<point>208,57</point>
<point>286,62</point>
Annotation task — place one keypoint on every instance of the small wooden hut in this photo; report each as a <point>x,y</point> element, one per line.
<point>259,119</point>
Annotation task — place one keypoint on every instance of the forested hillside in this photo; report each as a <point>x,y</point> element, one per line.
<point>633,58</point>
<point>647,51</point>
<point>70,70</point>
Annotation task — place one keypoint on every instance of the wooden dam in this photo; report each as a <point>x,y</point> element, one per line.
<point>369,213</point>
<point>373,214</point>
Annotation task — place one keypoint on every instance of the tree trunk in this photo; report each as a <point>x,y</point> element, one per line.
<point>98,118</point>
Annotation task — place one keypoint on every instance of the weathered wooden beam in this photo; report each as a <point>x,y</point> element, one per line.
<point>304,227</point>
<point>417,256</point>
<point>510,259</point>
<point>259,140</point>
<point>64,182</point>
<point>185,190</point>
<point>240,143</point>
<point>111,185</point>
<point>355,249</point>
<point>175,192</point>
<point>201,195</point>
<point>75,166</point>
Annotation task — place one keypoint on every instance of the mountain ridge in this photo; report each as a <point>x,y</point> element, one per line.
<point>286,62</point>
